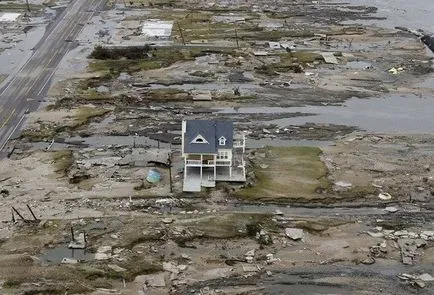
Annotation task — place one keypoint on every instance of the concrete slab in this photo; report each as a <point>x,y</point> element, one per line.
<point>9,16</point>
<point>201,95</point>
<point>329,58</point>
<point>157,28</point>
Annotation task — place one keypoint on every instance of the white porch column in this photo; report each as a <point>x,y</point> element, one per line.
<point>201,161</point>
<point>185,167</point>
<point>230,172</point>
<point>215,167</point>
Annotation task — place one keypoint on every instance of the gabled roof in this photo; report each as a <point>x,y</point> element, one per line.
<point>211,131</point>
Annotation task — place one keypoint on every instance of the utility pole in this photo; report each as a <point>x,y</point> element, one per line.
<point>169,162</point>
<point>28,5</point>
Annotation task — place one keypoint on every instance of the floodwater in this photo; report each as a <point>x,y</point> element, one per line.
<point>56,255</point>
<point>404,13</point>
<point>389,113</point>
<point>392,114</point>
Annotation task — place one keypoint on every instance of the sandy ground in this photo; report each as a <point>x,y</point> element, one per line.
<point>79,163</point>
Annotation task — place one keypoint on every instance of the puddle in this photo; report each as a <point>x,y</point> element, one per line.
<point>358,65</point>
<point>101,141</point>
<point>55,255</point>
<point>392,114</point>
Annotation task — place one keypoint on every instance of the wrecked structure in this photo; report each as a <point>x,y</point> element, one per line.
<point>331,199</point>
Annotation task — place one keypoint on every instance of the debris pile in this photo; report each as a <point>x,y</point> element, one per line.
<point>417,280</point>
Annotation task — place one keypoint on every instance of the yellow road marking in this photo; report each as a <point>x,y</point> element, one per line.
<point>7,120</point>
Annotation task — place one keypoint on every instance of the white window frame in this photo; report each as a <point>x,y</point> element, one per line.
<point>222,140</point>
<point>223,155</point>
<point>199,137</point>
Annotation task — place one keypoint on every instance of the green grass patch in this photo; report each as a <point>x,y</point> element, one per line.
<point>358,192</point>
<point>92,95</point>
<point>124,65</point>
<point>11,284</point>
<point>50,3</point>
<point>288,173</point>
<point>157,58</point>
<point>301,56</point>
<point>224,226</point>
<point>230,97</point>
<point>18,7</point>
<point>62,160</point>
<point>150,3</point>
<point>290,61</point>
<point>84,114</point>
<point>45,131</point>
<point>317,225</point>
<point>168,94</point>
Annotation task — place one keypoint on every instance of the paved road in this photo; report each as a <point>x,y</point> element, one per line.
<point>30,84</point>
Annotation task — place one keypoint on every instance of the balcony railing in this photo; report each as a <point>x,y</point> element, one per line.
<point>193,162</point>
<point>220,162</point>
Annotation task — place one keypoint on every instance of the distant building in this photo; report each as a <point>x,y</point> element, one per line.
<point>211,153</point>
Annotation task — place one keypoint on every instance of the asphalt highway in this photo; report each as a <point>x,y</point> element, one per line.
<point>24,90</point>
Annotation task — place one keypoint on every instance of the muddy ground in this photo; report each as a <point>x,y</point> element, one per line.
<point>351,213</point>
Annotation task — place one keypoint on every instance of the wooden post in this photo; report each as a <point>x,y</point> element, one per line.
<point>236,38</point>
<point>13,216</point>
<point>33,214</point>
<point>180,32</point>
<point>18,213</point>
<point>72,234</point>
<point>28,5</point>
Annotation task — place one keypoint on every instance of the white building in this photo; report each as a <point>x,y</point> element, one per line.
<point>211,153</point>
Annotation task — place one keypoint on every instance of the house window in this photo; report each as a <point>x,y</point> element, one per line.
<point>222,141</point>
<point>223,155</point>
<point>199,139</point>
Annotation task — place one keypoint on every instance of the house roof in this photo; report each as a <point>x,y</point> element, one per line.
<point>211,131</point>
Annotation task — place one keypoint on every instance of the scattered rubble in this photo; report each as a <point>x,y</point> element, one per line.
<point>104,148</point>
<point>103,253</point>
<point>417,280</point>
<point>294,233</point>
<point>385,196</point>
<point>116,268</point>
<point>153,281</point>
